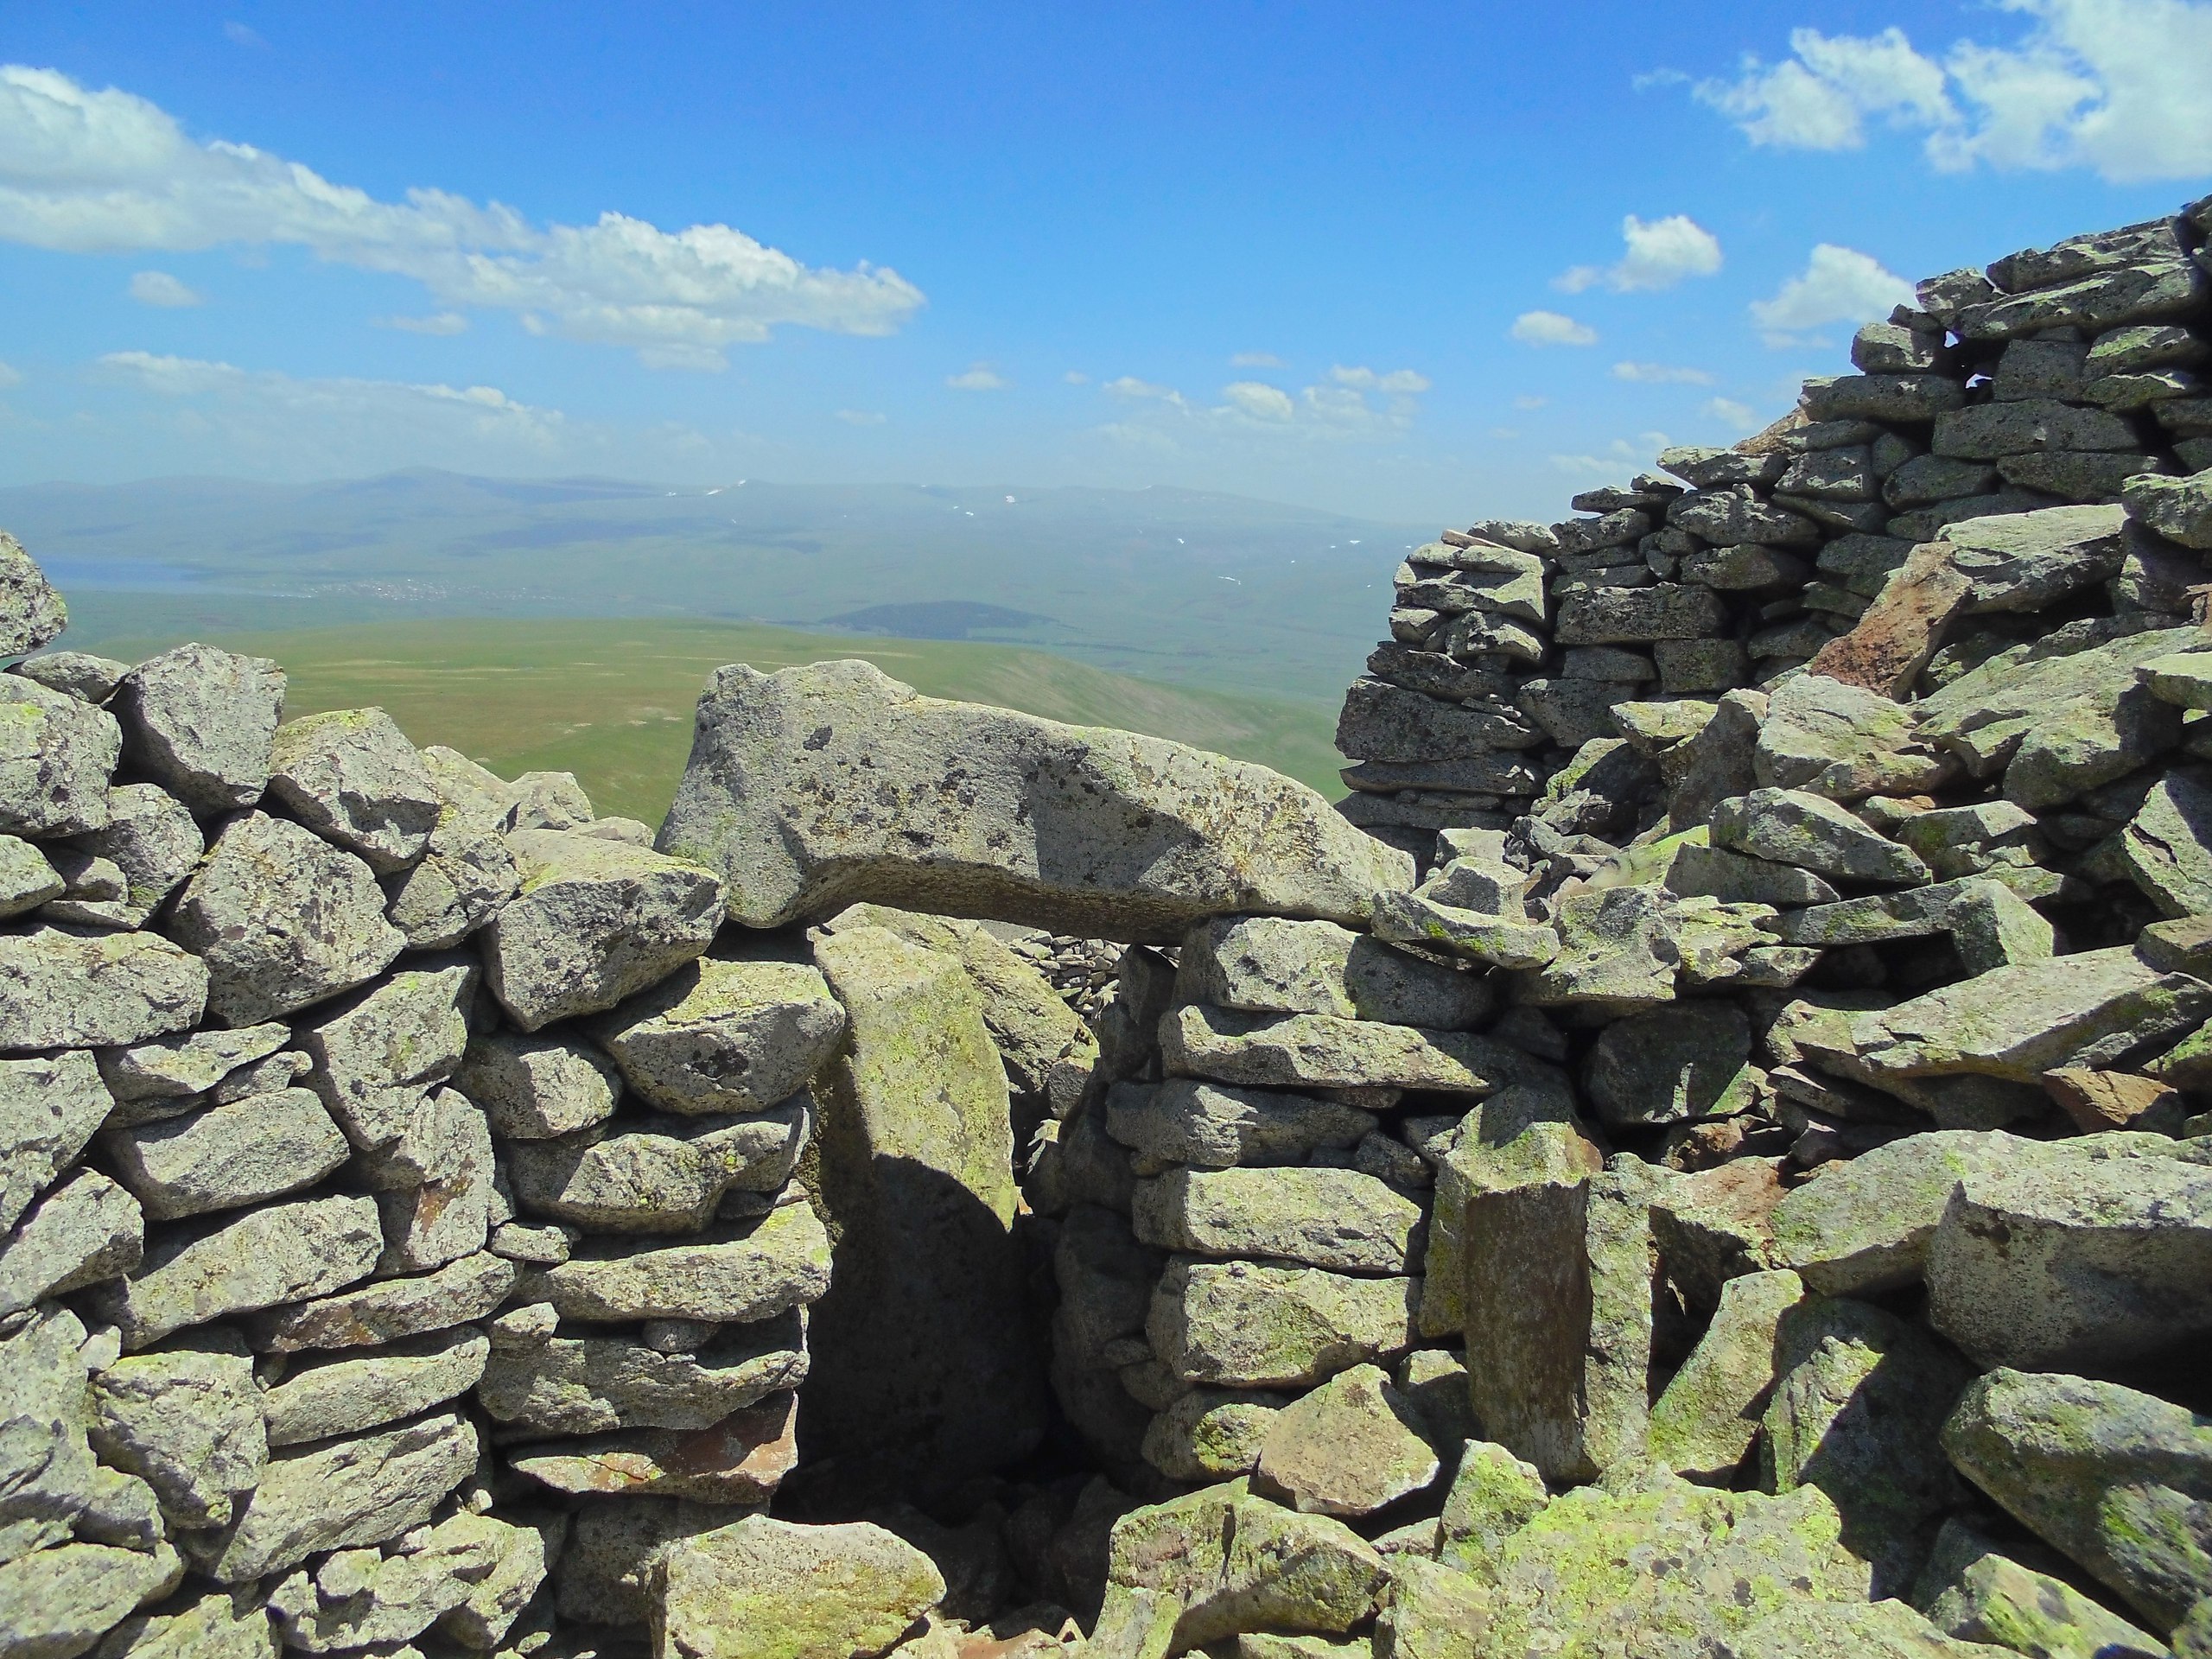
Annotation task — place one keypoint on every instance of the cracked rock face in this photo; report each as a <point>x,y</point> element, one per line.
<point>200,722</point>
<point>352,777</point>
<point>722,1036</point>
<point>56,757</point>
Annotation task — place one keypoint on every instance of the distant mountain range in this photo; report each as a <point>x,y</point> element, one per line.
<point>1181,585</point>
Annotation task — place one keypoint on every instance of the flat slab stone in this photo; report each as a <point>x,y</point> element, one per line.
<point>62,989</point>
<point>1314,1051</point>
<point>818,788</point>
<point>1269,965</point>
<point>1246,1325</point>
<point>389,1310</point>
<point>741,1273</point>
<point>765,1589</point>
<point>1706,1421</point>
<point>740,1459</point>
<point>1350,1447</point>
<point>346,1396</point>
<point>593,1385</point>
<point>724,1036</point>
<point>1213,1126</point>
<point>1335,1218</point>
<point>657,1183</point>
<point>246,1151</point>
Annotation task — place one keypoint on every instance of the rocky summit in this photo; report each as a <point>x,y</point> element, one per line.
<point>1705,1154</point>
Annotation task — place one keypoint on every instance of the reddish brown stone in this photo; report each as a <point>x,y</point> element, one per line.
<point>1902,629</point>
<point>2106,1100</point>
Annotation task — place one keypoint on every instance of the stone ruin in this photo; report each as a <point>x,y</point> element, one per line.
<point>1707,1152</point>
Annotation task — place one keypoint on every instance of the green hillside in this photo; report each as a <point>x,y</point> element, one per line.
<point>611,700</point>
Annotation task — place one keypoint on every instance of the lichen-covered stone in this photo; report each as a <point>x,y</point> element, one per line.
<point>1706,1421</point>
<point>538,1088</point>
<point>1211,1434</point>
<point>152,840</point>
<point>765,1589</point>
<point>657,1183</point>
<point>61,1601</point>
<point>1435,1612</point>
<point>740,1459</point>
<point>1792,826</point>
<point>434,1185</point>
<point>536,1384</point>
<point>1316,1051</point>
<point>50,1105</point>
<point>1860,1401</point>
<point>86,1231</point>
<point>1213,1126</point>
<point>597,921</point>
<point>1246,1325</point>
<point>346,1396</point>
<point>377,1057</point>
<point>188,1421</point>
<point>1270,965</point>
<point>1836,1630</point>
<point>245,1152</point>
<point>352,777</point>
<point>1841,741</point>
<point>28,880</point>
<point>1863,1224</point>
<point>1335,1218</point>
<point>465,874</point>
<point>341,1495</point>
<point>1691,1059</point>
<point>283,919</point>
<point>724,1036</point>
<point>200,722</point>
<point>1493,1495</point>
<point>56,756</point>
<point>1971,1591</point>
<point>31,613</point>
<point>1350,1447</point>
<point>216,1626</point>
<point>856,788</point>
<point>2116,1480</point>
<point>285,1253</point>
<point>737,1272</point>
<point>395,1308</point>
<point>366,1599</point>
<point>62,989</point>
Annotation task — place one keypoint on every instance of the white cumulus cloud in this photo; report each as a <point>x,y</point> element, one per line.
<point>1127,385</point>
<point>159,288</point>
<point>977,377</point>
<point>2115,85</point>
<point>1660,254</point>
<point>1396,382</point>
<point>1551,328</point>
<point>1837,285</point>
<point>104,171</point>
<point>1261,402</point>
<point>1661,374</point>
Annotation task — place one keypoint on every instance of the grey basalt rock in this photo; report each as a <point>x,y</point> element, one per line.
<point>246,1151</point>
<point>1842,741</point>
<point>1335,1218</point>
<point>595,922</point>
<point>153,840</point>
<point>1213,1126</point>
<point>538,1384</point>
<point>1315,1051</point>
<point>352,777</point>
<point>85,676</point>
<point>200,722</point>
<point>282,920</point>
<point>341,1495</point>
<point>818,788</point>
<point>847,1589</point>
<point>285,1253</point>
<point>31,613</point>
<point>346,1395</point>
<point>1248,1325</point>
<point>1973,1592</point>
<point>2025,562</point>
<point>56,757</point>
<point>375,1060</point>
<point>50,1106</point>
<point>1269,965</point>
<point>63,988</point>
<point>28,880</point>
<point>541,1087</point>
<point>2115,1480</point>
<point>724,1036</point>
<point>466,874</point>
<point>657,1182</point>
<point>188,1421</point>
<point>1793,826</point>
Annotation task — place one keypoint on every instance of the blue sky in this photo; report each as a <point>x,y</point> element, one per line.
<point>1413,261</point>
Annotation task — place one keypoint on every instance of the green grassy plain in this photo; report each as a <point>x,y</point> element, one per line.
<point>611,700</point>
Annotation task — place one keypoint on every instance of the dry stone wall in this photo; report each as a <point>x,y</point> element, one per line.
<point>1721,1167</point>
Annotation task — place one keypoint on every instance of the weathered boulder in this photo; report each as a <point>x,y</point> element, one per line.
<point>434,1185</point>
<point>152,840</point>
<point>1864,1225</point>
<point>1690,1059</point>
<point>765,1589</point>
<point>597,921</point>
<point>352,777</point>
<point>2116,1480</point>
<point>213,1627</point>
<point>1831,1629</point>
<point>1860,1398</point>
<point>1213,1126</point>
<point>360,1599</point>
<point>1493,1495</point>
<point>1710,1413</point>
<point>2179,509</point>
<point>924,1359</point>
<point>1223,1561</point>
<point>538,1088</point>
<point>86,1231</point>
<point>50,1105</point>
<point>822,786</point>
<point>1211,1434</point>
<point>1319,1050</point>
<point>2167,847</point>
<point>283,919</point>
<point>2027,561</point>
<point>536,1384</point>
<point>188,1422</point>
<point>738,1272</point>
<point>62,989</point>
<point>1791,826</point>
<point>200,722</point>
<point>375,1060</point>
<point>1435,1612</point>
<point>31,613</point>
<point>61,1601</point>
<point>1350,1447</point>
<point>1269,965</point>
<point>27,878</point>
<point>1248,1325</point>
<point>1971,1591</point>
<point>724,1036</point>
<point>1335,1218</point>
<point>341,1495</point>
<point>1841,741</point>
<point>465,874</point>
<point>56,755</point>
<point>285,1253</point>
<point>2074,1263</point>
